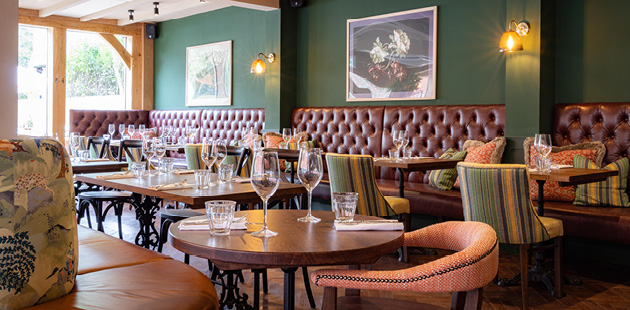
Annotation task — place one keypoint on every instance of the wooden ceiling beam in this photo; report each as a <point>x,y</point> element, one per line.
<point>59,7</point>
<point>31,17</point>
<point>128,5</point>
<point>262,5</point>
<point>120,49</point>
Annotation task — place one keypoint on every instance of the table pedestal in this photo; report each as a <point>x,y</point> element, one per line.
<point>230,294</point>
<point>146,210</point>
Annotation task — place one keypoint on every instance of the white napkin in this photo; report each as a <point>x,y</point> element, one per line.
<point>89,160</point>
<point>114,176</point>
<point>172,186</point>
<point>554,166</point>
<point>369,226</point>
<point>238,224</point>
<point>179,172</point>
<point>381,158</point>
<point>240,180</point>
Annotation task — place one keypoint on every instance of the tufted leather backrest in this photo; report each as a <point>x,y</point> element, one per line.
<point>432,129</point>
<point>95,123</point>
<point>179,119</point>
<point>226,124</point>
<point>604,122</point>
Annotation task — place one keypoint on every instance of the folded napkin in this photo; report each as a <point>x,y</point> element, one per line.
<point>89,160</point>
<point>375,225</point>
<point>381,158</point>
<point>237,224</point>
<point>240,180</point>
<point>114,176</point>
<point>179,172</point>
<point>172,186</point>
<point>554,166</point>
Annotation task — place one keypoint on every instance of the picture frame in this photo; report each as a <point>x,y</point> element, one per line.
<point>392,56</point>
<point>209,74</point>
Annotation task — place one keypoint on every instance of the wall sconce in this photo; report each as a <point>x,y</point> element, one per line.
<point>258,66</point>
<point>511,39</point>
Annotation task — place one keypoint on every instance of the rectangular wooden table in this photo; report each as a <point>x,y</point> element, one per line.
<point>147,206</point>
<point>414,164</point>
<point>97,166</point>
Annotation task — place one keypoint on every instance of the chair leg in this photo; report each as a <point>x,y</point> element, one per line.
<point>524,269</point>
<point>558,266</point>
<point>265,283</point>
<point>186,259</point>
<point>87,215</point>
<point>307,287</point>
<point>118,210</point>
<point>256,288</point>
<point>164,225</point>
<point>405,218</point>
<point>470,300</point>
<point>329,301</point>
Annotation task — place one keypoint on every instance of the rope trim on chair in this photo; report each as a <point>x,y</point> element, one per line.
<point>409,280</point>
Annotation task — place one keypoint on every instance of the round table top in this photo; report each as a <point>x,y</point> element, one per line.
<point>297,244</point>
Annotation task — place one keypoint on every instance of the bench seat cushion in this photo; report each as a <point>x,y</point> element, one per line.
<point>425,199</point>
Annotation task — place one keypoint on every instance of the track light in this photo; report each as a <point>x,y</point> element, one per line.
<point>130,15</point>
<point>156,9</point>
<point>202,1</point>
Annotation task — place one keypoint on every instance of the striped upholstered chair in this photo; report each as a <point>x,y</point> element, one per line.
<point>355,173</point>
<point>464,272</point>
<point>499,196</point>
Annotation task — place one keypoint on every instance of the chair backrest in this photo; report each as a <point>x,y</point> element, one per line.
<point>97,146</point>
<point>38,239</point>
<point>355,173</point>
<point>131,149</point>
<point>240,153</point>
<point>499,196</point>
<point>236,155</point>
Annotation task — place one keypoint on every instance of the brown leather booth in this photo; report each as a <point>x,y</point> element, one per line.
<point>608,123</point>
<point>115,274</point>
<point>432,130</point>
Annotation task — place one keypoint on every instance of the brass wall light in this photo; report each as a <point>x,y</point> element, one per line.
<point>511,39</point>
<point>258,66</point>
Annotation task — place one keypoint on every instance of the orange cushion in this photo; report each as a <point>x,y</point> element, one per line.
<point>274,141</point>
<point>479,155</point>
<point>553,191</point>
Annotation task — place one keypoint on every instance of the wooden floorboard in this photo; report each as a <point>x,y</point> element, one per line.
<point>605,287</point>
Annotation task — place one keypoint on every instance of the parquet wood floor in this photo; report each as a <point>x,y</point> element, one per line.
<point>605,286</point>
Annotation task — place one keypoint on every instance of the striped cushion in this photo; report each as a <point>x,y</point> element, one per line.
<point>445,178</point>
<point>355,173</point>
<point>498,195</point>
<point>609,193</point>
<point>193,156</point>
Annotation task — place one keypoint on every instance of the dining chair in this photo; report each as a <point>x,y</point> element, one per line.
<point>465,272</point>
<point>98,147</point>
<point>131,150</point>
<point>499,196</point>
<point>355,173</point>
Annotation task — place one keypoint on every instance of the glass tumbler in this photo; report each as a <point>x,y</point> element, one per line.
<point>220,214</point>
<point>344,205</point>
<point>225,173</point>
<point>201,178</point>
<point>138,169</point>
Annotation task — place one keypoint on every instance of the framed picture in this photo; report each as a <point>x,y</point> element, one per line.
<point>392,56</point>
<point>209,74</point>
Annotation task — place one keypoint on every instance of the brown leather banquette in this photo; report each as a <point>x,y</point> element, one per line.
<point>608,123</point>
<point>432,130</point>
<point>115,274</point>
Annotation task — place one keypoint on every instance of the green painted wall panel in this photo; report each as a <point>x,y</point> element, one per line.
<point>251,31</point>
<point>470,70</point>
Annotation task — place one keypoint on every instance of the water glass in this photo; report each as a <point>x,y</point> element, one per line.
<point>201,178</point>
<point>344,205</point>
<point>166,165</point>
<point>544,164</point>
<point>225,173</point>
<point>138,169</point>
<point>83,155</point>
<point>393,153</point>
<point>407,151</point>
<point>181,141</point>
<point>220,214</point>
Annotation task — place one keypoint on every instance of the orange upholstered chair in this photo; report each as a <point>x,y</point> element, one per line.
<point>465,272</point>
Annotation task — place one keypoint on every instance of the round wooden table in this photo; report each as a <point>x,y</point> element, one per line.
<point>297,244</point>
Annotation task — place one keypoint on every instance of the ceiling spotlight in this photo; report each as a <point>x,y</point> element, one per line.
<point>130,15</point>
<point>202,1</point>
<point>156,9</point>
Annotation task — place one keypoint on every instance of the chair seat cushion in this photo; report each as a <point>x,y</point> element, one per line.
<point>425,199</point>
<point>399,205</point>
<point>105,195</point>
<point>553,226</point>
<point>179,214</point>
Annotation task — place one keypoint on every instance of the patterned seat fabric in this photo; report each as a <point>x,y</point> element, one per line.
<point>38,239</point>
<point>473,266</point>
<point>355,173</point>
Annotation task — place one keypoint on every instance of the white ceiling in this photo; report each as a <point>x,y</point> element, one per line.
<point>143,9</point>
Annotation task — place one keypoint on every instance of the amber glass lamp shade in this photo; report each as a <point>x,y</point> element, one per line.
<point>510,42</point>
<point>258,67</point>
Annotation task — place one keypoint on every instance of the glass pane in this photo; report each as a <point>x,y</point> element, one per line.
<point>32,81</point>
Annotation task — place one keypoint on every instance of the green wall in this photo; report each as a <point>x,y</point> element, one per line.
<point>593,46</point>
<point>470,69</point>
<point>251,32</point>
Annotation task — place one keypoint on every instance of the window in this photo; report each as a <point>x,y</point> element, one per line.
<point>33,77</point>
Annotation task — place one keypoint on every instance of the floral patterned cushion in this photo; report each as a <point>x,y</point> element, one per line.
<point>483,153</point>
<point>274,140</point>
<point>38,235</point>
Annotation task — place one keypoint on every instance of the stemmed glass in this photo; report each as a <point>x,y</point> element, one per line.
<point>310,171</point>
<point>173,134</point>
<point>148,150</point>
<point>221,151</point>
<point>265,179</point>
<point>160,149</point>
<point>286,136</point>
<point>542,143</point>
<point>191,131</point>
<point>404,142</point>
<point>131,129</point>
<point>397,138</point>
<point>141,130</point>
<point>111,129</point>
<point>297,133</point>
<point>208,152</point>
<point>75,142</point>
<point>121,129</point>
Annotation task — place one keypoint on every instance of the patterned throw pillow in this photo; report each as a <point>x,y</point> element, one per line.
<point>444,179</point>
<point>609,193</point>
<point>274,140</point>
<point>483,153</point>
<point>562,155</point>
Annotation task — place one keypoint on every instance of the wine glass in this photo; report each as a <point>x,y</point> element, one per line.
<point>397,138</point>
<point>221,151</point>
<point>141,130</point>
<point>131,129</point>
<point>286,136</point>
<point>111,129</point>
<point>208,152</point>
<point>404,141</point>
<point>148,150</point>
<point>297,133</point>
<point>265,179</point>
<point>160,149</point>
<point>543,143</point>
<point>121,129</point>
<point>173,134</point>
<point>75,142</point>
<point>191,131</point>
<point>310,171</point>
